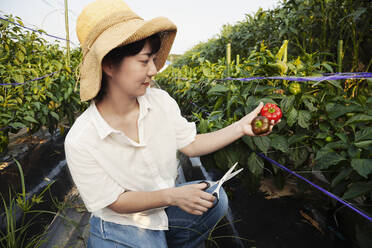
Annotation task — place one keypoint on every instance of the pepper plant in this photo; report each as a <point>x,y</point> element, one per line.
<point>50,101</point>
<point>320,110</point>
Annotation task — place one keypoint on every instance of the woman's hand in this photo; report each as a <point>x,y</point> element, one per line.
<point>245,122</point>
<point>191,198</point>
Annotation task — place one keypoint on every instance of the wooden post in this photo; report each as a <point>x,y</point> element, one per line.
<point>228,57</point>
<point>339,55</point>
<point>237,59</point>
<point>67,34</point>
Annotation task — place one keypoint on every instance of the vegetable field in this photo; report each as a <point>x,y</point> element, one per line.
<point>38,87</point>
<point>326,126</point>
<point>325,133</point>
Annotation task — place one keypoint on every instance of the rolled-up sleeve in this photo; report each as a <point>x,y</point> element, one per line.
<point>97,189</point>
<point>185,130</point>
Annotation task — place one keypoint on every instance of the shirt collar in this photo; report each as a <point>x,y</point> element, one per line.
<point>103,128</point>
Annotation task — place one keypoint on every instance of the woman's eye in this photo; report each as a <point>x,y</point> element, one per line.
<point>145,61</point>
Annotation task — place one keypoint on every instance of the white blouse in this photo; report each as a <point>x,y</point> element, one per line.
<point>104,162</point>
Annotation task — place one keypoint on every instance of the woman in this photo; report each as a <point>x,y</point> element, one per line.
<point>121,151</point>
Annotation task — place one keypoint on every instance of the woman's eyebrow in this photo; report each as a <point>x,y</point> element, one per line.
<point>148,54</point>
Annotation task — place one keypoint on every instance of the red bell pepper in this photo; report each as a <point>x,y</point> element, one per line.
<point>272,112</point>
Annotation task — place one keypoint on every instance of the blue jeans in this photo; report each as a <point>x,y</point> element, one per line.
<point>185,230</point>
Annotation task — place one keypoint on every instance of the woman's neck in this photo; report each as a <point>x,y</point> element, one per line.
<point>120,107</point>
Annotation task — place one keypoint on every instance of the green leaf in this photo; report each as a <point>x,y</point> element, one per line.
<point>364,134</point>
<point>363,144</point>
<point>342,175</point>
<point>255,164</point>
<point>37,105</point>
<point>30,119</point>
<point>336,145</point>
<point>358,118</point>
<point>342,137</point>
<point>20,56</point>
<point>220,159</point>
<point>304,118</point>
<point>207,72</point>
<point>265,100</point>
<point>262,142</point>
<point>19,78</point>
<point>308,103</point>
<point>357,189</point>
<point>218,90</point>
<point>249,141</point>
<point>17,125</point>
<point>55,115</point>
<point>203,125</point>
<point>336,110</point>
<point>328,159</point>
<point>297,138</point>
<point>327,66</point>
<point>362,166</point>
<point>280,143</point>
<point>298,156</point>
<point>336,83</point>
<point>321,135</point>
<point>287,102</point>
<point>292,117</point>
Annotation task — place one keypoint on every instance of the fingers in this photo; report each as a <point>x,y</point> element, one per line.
<point>199,201</point>
<point>207,196</point>
<point>271,126</point>
<point>198,206</point>
<point>197,212</point>
<point>206,204</point>
<point>202,194</point>
<point>257,110</point>
<point>201,186</point>
<point>201,206</point>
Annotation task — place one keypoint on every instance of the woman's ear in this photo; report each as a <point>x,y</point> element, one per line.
<point>107,68</point>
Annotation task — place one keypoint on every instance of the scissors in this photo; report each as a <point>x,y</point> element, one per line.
<point>228,175</point>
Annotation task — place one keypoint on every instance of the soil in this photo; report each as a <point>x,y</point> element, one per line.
<point>38,154</point>
<point>286,218</point>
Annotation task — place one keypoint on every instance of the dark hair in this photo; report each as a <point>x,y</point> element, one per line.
<point>116,56</point>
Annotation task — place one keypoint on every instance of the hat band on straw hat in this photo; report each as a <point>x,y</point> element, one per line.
<point>105,23</point>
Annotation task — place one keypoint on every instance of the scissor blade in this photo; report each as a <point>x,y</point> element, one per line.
<point>227,174</point>
<point>233,174</point>
<point>226,177</point>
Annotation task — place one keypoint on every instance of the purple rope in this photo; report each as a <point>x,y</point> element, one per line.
<point>35,79</point>
<point>336,76</point>
<point>318,187</point>
<point>34,29</point>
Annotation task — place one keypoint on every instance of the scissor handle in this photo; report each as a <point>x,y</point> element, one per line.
<point>208,184</point>
<point>214,193</point>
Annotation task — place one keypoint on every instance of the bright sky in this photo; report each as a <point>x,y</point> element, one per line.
<point>196,20</point>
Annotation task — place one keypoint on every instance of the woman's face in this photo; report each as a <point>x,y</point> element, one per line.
<point>133,72</point>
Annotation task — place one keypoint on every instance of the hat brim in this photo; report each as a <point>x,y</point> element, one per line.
<point>118,35</point>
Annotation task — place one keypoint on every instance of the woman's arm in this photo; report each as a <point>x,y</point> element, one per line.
<point>190,198</point>
<point>209,142</point>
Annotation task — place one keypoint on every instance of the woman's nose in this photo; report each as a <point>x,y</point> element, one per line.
<point>152,70</point>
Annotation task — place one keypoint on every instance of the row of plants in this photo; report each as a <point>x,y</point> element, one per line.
<point>326,126</point>
<point>20,213</point>
<point>24,56</point>
<point>311,25</point>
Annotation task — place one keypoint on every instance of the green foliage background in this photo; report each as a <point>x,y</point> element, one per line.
<point>25,55</point>
<point>310,25</point>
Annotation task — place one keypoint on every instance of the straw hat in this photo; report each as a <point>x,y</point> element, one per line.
<point>106,24</point>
